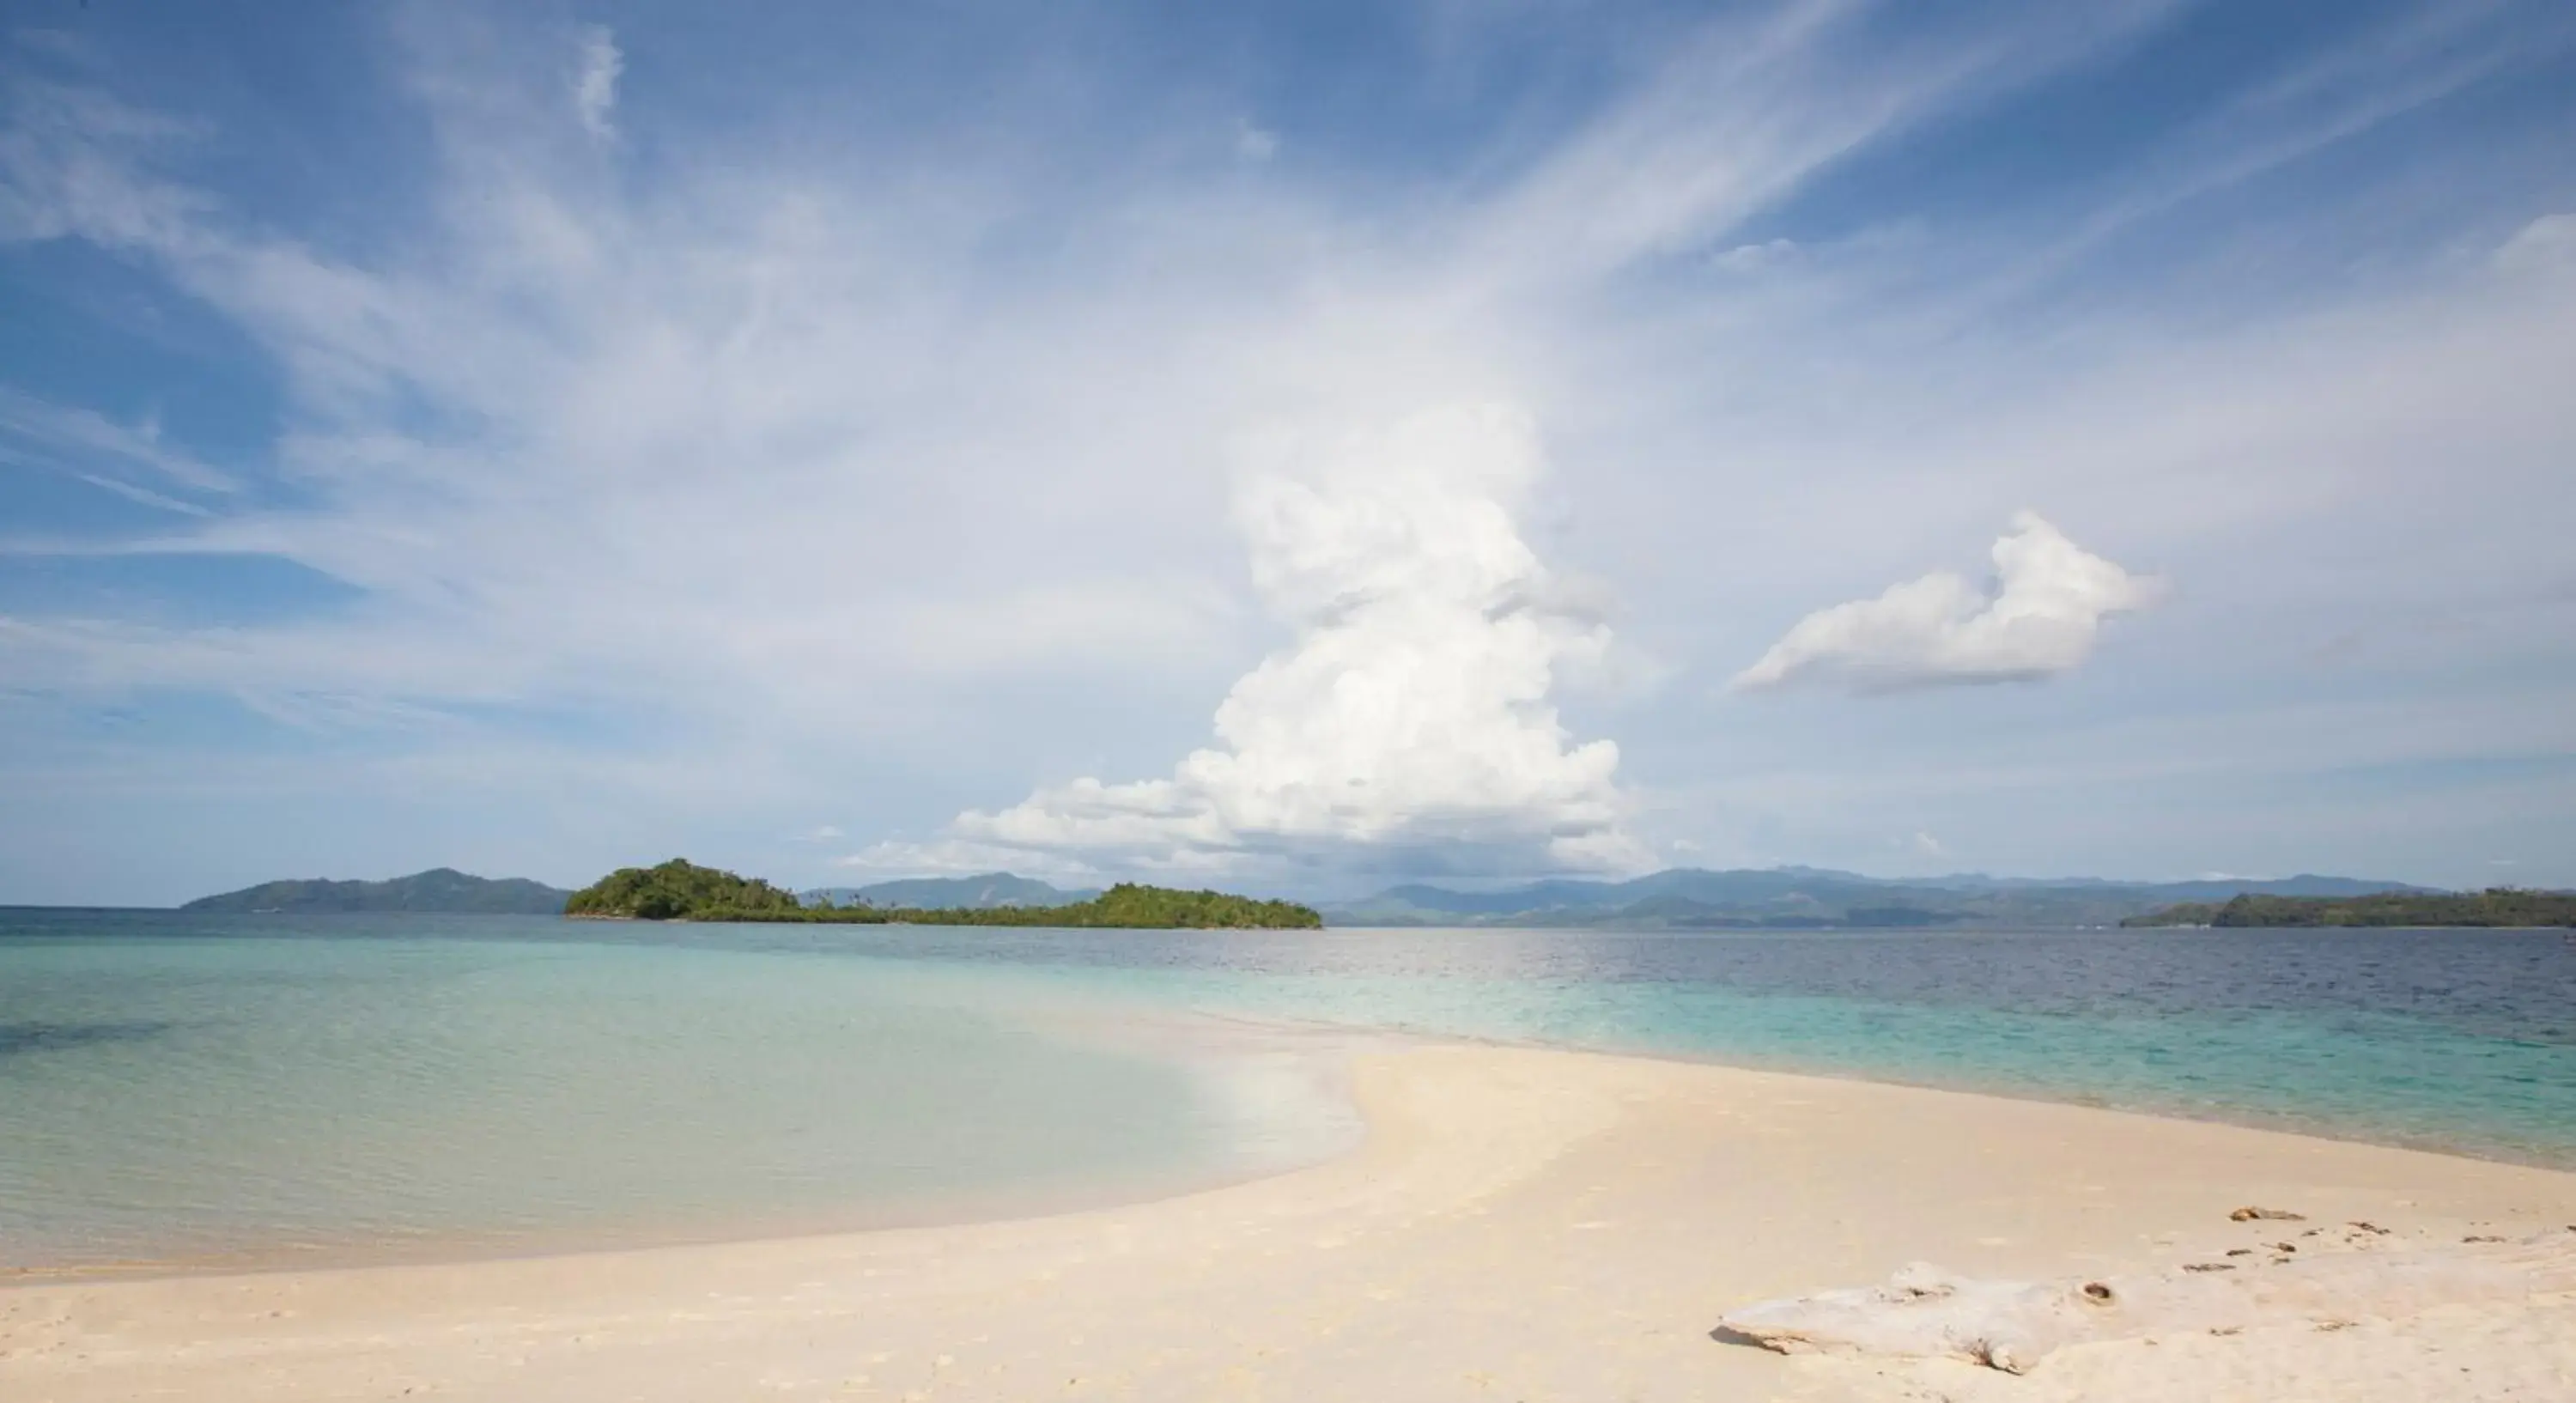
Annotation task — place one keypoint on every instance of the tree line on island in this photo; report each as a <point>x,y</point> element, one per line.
<point>2496,906</point>
<point>680,890</point>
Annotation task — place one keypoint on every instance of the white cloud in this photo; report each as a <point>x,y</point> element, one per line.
<point>141,496</point>
<point>2545,245</point>
<point>768,466</point>
<point>756,416</point>
<point>1062,621</point>
<point>1255,143</point>
<point>83,435</point>
<point>594,87</point>
<point>2038,619</point>
<point>1411,712</point>
<point>1755,258</point>
<point>1928,845</point>
<point>1750,107</point>
<point>64,158</point>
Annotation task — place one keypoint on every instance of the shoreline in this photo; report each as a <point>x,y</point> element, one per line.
<point>1325,1127</point>
<point>1329,1046</point>
<point>2240,1117</point>
<point>1556,1223</point>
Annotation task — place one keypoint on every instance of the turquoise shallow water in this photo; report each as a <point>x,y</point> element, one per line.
<point>200,1089</point>
<point>214,1098</point>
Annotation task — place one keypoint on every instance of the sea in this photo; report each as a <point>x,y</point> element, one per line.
<point>182,1091</point>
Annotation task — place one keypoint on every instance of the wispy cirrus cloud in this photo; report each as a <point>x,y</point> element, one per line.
<point>880,461</point>
<point>588,355</point>
<point>1749,107</point>
<point>71,434</point>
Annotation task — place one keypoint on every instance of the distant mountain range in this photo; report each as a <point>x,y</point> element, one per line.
<point>445,889</point>
<point>1777,898</point>
<point>982,893</point>
<point>1791,898</point>
<point>438,889</point>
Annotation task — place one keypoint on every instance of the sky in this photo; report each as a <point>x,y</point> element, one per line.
<point>1294,447</point>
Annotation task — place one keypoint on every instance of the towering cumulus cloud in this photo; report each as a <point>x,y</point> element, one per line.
<point>2048,601</point>
<point>1410,715</point>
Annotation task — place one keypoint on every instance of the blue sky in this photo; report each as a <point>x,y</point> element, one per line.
<point>1293,446</point>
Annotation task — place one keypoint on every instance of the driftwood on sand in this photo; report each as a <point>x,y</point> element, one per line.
<point>2011,1325</point>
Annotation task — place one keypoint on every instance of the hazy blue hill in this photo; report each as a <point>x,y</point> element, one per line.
<point>1543,896</point>
<point>981,893</point>
<point>2305,884</point>
<point>441,889</point>
<point>1804,897</point>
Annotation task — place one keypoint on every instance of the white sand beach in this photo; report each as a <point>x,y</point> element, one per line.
<point>1519,1225</point>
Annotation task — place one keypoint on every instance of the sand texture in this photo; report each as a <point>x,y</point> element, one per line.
<point>1520,1225</point>
<point>2331,1278</point>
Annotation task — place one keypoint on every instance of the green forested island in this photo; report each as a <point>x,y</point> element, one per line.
<point>440,889</point>
<point>2497,906</point>
<point>679,890</point>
